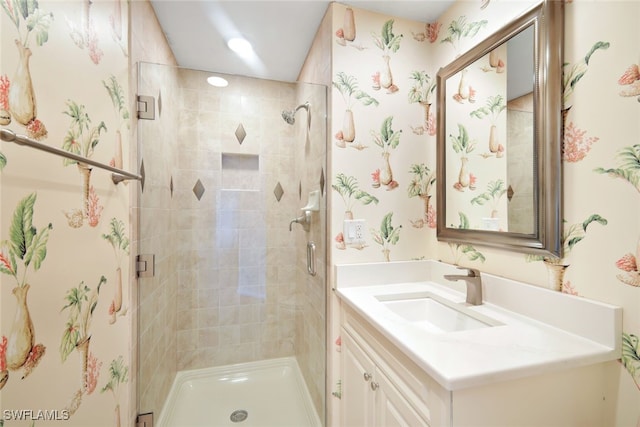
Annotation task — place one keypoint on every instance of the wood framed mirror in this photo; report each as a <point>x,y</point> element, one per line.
<point>499,138</point>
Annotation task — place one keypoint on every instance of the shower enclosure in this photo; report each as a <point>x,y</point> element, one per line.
<point>224,176</point>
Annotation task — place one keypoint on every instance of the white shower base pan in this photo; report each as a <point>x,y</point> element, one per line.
<point>272,392</point>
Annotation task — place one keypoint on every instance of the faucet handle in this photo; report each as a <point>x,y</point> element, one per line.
<point>471,272</point>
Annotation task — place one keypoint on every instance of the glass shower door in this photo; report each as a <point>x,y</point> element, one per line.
<point>225,175</point>
<point>157,236</point>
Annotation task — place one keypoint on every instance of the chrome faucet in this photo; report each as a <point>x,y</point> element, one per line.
<point>474,284</point>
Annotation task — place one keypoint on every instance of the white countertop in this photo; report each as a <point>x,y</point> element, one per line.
<point>523,345</point>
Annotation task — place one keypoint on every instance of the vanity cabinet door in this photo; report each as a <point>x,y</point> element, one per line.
<point>392,408</point>
<point>369,398</point>
<point>357,374</point>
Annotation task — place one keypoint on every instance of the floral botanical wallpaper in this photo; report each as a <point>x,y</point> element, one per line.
<point>65,324</point>
<point>476,176</point>
<point>383,157</point>
<point>383,85</point>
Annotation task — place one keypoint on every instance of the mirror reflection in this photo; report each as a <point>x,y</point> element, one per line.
<point>490,140</point>
<point>500,138</point>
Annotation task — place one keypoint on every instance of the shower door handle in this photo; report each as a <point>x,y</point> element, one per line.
<point>311,258</point>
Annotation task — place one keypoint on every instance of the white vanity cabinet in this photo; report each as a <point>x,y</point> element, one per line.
<point>531,357</point>
<point>381,386</point>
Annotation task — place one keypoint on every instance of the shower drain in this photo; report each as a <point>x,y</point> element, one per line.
<point>239,416</point>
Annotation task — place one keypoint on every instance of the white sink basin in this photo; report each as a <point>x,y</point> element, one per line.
<point>432,311</point>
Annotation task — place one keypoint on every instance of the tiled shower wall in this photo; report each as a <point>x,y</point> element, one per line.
<point>234,186</point>
<point>198,241</point>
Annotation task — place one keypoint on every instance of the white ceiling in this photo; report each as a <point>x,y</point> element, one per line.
<point>281,32</point>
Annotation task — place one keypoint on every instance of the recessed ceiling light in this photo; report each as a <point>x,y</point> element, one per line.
<point>240,46</point>
<point>217,81</point>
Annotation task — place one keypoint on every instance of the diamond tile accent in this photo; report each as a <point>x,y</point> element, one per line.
<point>278,191</point>
<point>142,175</point>
<point>198,189</point>
<point>171,186</point>
<point>241,134</point>
<point>300,190</point>
<point>322,181</point>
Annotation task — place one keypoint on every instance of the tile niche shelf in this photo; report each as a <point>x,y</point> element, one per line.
<point>240,172</point>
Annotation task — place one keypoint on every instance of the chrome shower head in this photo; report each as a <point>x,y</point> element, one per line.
<point>288,116</point>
